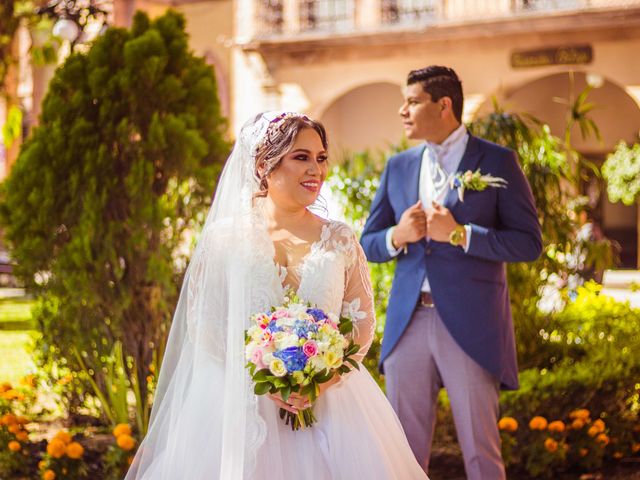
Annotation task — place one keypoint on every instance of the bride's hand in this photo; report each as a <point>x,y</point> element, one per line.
<point>295,402</point>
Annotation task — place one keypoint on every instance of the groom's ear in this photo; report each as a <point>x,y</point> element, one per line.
<point>446,104</point>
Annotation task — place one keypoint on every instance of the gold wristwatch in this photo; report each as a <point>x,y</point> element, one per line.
<point>456,237</point>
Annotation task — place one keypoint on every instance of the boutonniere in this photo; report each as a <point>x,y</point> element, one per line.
<point>475,181</point>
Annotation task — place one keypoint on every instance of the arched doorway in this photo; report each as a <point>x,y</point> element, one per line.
<point>617,116</point>
<point>365,117</point>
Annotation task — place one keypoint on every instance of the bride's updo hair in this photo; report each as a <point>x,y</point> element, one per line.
<point>278,140</point>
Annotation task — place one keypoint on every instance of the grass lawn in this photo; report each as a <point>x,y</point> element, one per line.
<point>17,337</point>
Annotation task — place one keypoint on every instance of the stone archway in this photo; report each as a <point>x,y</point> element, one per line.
<point>365,117</point>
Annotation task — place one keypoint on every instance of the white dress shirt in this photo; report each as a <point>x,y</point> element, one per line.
<point>439,164</point>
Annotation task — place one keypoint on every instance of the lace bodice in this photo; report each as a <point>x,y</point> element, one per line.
<point>333,275</point>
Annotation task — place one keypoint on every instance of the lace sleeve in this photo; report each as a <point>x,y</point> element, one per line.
<point>358,297</point>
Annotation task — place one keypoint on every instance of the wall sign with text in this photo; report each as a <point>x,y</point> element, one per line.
<point>575,55</point>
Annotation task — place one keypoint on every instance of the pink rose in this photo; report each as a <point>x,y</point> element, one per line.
<point>310,348</point>
<point>256,358</point>
<point>279,314</point>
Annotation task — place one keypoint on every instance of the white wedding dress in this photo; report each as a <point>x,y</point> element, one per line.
<point>206,422</point>
<point>357,436</point>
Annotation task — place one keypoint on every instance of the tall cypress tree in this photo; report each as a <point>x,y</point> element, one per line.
<point>105,193</point>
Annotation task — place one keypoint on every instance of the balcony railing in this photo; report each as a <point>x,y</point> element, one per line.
<point>276,17</point>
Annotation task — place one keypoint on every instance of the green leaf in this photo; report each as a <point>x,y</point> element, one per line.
<point>262,375</point>
<point>345,326</point>
<point>262,388</point>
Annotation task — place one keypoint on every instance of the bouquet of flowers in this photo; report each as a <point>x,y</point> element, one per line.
<point>295,348</point>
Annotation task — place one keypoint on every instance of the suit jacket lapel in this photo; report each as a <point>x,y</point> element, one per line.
<point>413,175</point>
<point>469,161</point>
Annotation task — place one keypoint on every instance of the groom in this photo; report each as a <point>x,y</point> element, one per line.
<point>448,321</point>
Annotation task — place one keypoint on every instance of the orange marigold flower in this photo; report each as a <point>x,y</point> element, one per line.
<point>11,394</point>
<point>581,413</point>
<point>556,426</point>
<point>508,424</point>
<point>5,387</point>
<point>64,436</point>
<point>538,423</point>
<point>126,442</point>
<point>56,448</point>
<point>551,445</point>
<point>22,436</point>
<point>577,424</point>
<point>75,450</point>
<point>49,475</point>
<point>14,446</point>
<point>584,452</point>
<point>15,428</point>
<point>593,431</point>
<point>599,424</point>
<point>28,380</point>
<point>618,455</point>
<point>9,419</point>
<point>121,429</point>
<point>635,448</point>
<point>603,439</point>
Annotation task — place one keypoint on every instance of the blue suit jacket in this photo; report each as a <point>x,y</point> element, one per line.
<point>469,289</point>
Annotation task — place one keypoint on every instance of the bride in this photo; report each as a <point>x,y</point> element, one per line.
<point>258,240</point>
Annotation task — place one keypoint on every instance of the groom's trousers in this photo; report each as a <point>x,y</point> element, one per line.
<point>426,359</point>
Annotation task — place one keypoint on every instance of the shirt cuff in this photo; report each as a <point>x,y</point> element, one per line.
<point>392,251</point>
<point>468,230</point>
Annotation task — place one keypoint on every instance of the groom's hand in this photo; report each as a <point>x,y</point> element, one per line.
<point>440,222</point>
<point>412,226</point>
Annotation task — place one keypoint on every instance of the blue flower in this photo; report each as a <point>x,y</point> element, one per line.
<point>273,327</point>
<point>317,314</point>
<point>457,183</point>
<point>302,328</point>
<point>293,357</point>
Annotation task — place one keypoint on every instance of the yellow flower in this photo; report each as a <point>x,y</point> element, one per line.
<point>603,439</point>
<point>508,424</point>
<point>538,423</point>
<point>126,442</point>
<point>64,436</point>
<point>332,359</point>
<point>75,450</point>
<point>49,475</point>
<point>556,427</point>
<point>14,446</point>
<point>121,429</point>
<point>582,413</point>
<point>584,452</point>
<point>42,464</point>
<point>577,424</point>
<point>551,445</point>
<point>277,367</point>
<point>22,436</point>
<point>599,424</point>
<point>56,448</point>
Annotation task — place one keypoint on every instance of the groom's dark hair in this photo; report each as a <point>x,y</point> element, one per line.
<point>440,82</point>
